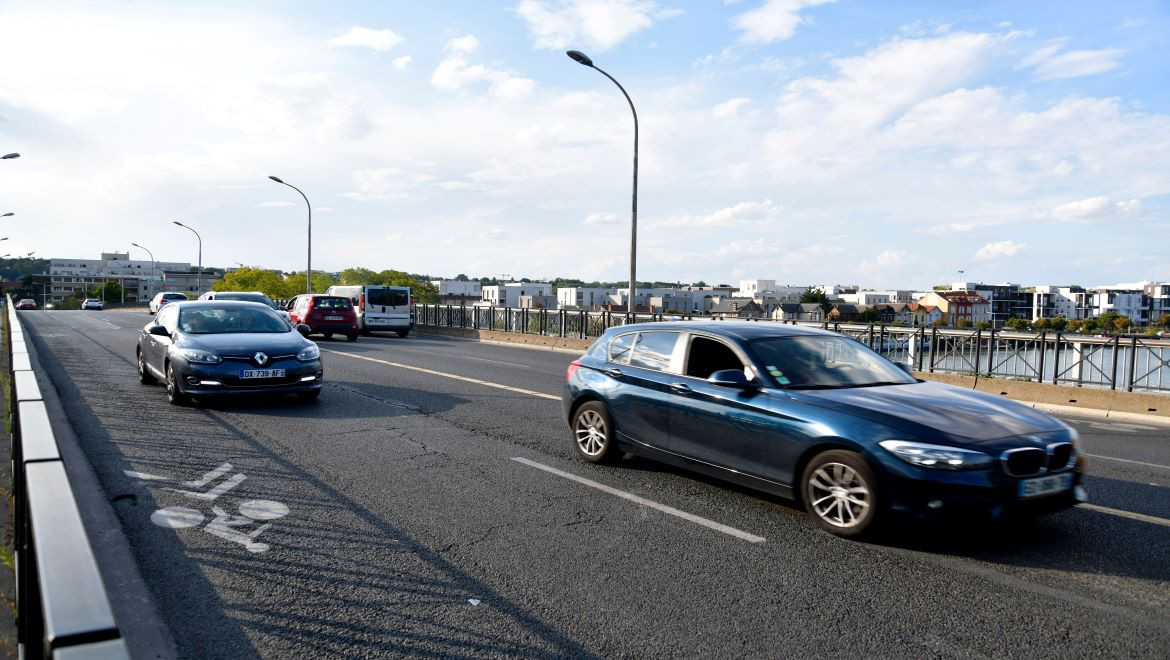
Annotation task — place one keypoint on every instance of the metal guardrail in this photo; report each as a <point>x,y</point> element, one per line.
<point>1132,364</point>
<point>63,610</point>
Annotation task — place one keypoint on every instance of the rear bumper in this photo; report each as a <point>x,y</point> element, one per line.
<point>338,327</point>
<point>389,324</point>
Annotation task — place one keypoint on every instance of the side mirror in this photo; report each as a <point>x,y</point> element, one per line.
<point>303,329</point>
<point>160,330</point>
<point>730,378</point>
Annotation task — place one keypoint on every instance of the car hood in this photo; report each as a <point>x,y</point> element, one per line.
<point>247,343</point>
<point>930,409</point>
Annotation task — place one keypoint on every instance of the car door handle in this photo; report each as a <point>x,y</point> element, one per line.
<point>681,388</point>
<point>615,373</point>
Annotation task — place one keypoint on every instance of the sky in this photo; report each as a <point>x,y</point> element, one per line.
<point>889,144</point>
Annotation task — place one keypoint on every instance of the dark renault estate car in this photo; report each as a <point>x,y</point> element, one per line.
<point>818,417</point>
<point>223,348</point>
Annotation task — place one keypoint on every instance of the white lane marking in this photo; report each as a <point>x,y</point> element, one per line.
<point>1126,514</point>
<point>1126,460</point>
<point>1123,427</point>
<point>444,374</point>
<point>510,364</point>
<point>112,325</point>
<point>711,524</point>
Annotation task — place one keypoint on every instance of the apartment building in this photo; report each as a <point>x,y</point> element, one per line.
<point>458,292</point>
<point>140,279</point>
<point>577,298</point>
<point>508,294</point>
<point>1050,302</point>
<point>957,306</point>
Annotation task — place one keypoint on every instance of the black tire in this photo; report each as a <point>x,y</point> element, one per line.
<point>328,335</point>
<point>308,397</point>
<point>144,375</point>
<point>593,433</point>
<point>352,336</point>
<point>174,394</point>
<point>403,333</point>
<point>840,493</point>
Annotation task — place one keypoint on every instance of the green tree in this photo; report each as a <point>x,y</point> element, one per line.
<point>355,276</point>
<point>110,292</point>
<point>983,325</point>
<point>1015,323</point>
<point>1074,326</point>
<point>1090,326</point>
<point>963,323</point>
<point>1106,322</point>
<point>1163,321</point>
<point>1059,324</point>
<point>868,316</point>
<point>250,278</point>
<point>294,283</point>
<point>1122,324</point>
<point>939,323</point>
<point>1042,324</point>
<point>818,297</point>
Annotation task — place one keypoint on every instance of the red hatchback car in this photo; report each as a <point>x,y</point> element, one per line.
<point>325,315</point>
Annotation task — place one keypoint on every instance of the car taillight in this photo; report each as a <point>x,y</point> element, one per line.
<point>362,301</point>
<point>573,367</point>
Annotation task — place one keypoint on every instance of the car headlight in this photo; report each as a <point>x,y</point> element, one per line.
<point>937,457</point>
<point>197,356</point>
<point>309,353</point>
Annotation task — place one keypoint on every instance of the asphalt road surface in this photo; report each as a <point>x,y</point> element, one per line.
<point>426,505</point>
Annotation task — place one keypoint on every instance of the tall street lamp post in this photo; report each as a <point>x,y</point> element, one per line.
<point>309,253</point>
<point>152,265</point>
<point>199,275</point>
<point>7,215</point>
<point>8,156</point>
<point>583,59</point>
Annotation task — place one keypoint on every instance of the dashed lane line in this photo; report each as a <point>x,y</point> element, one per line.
<point>1125,514</point>
<point>443,374</point>
<point>1126,460</point>
<point>699,520</point>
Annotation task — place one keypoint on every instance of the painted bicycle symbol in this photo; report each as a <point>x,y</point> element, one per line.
<point>224,525</point>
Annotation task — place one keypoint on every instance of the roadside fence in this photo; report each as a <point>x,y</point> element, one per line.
<point>63,610</point>
<point>1132,364</point>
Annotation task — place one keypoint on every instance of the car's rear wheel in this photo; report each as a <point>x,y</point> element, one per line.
<point>403,333</point>
<point>352,336</point>
<point>593,433</point>
<point>144,375</point>
<point>174,394</point>
<point>840,493</point>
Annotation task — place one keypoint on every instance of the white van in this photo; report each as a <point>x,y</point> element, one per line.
<point>380,307</point>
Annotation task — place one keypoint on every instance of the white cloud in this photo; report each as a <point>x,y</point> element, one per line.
<point>743,213</point>
<point>775,20</point>
<point>360,37</point>
<point>1129,207</point>
<point>496,234</point>
<point>730,108</point>
<point>952,229</point>
<point>385,183</point>
<point>463,45</point>
<point>394,238</point>
<point>885,260</point>
<point>1076,63</point>
<point>1081,209</point>
<point>595,24</point>
<point>401,63</point>
<point>999,250</point>
<point>599,218</point>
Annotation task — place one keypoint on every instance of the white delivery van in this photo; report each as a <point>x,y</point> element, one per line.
<point>380,307</point>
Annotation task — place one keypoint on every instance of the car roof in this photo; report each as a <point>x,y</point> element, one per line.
<point>741,330</point>
<point>221,304</point>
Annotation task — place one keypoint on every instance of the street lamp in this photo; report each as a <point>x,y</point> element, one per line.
<point>199,275</point>
<point>7,156</point>
<point>152,264</point>
<point>7,215</point>
<point>583,59</point>
<point>309,257</point>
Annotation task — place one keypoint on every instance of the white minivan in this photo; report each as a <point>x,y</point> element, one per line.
<point>380,307</point>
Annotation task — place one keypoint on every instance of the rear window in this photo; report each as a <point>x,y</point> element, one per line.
<point>246,297</point>
<point>653,350</point>
<point>387,297</point>
<point>332,303</point>
<point>174,296</point>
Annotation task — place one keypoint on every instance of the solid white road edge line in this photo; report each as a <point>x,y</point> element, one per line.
<point>1125,514</point>
<point>710,524</point>
<point>1126,460</point>
<point>444,374</point>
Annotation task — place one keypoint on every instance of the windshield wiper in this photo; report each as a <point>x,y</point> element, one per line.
<point>881,382</point>
<point>813,386</point>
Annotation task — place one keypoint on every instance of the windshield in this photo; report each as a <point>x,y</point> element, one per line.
<point>824,362</point>
<point>246,297</point>
<point>217,320</point>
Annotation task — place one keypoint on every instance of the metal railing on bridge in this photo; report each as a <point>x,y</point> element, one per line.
<point>63,610</point>
<point>1133,364</point>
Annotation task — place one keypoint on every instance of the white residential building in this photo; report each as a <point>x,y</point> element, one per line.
<point>576,297</point>
<point>140,279</point>
<point>1129,303</point>
<point>1053,301</point>
<point>867,298</point>
<point>458,292</point>
<point>508,295</point>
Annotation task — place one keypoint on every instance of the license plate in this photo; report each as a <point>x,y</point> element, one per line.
<point>334,318</point>
<point>262,373</point>
<point>1045,485</point>
<point>375,321</point>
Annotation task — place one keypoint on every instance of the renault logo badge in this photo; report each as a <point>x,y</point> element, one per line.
<point>260,358</point>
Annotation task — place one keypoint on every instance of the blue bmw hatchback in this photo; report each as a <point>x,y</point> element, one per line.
<point>817,417</point>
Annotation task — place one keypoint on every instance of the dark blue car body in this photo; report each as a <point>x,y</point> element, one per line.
<point>763,435</point>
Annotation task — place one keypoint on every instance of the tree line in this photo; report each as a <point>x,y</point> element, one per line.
<point>282,286</point>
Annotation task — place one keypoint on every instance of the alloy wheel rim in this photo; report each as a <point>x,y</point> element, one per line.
<point>838,495</point>
<point>172,388</point>
<point>591,433</point>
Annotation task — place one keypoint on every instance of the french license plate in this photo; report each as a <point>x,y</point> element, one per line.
<point>262,373</point>
<point>375,321</point>
<point>334,318</point>
<point>1045,485</point>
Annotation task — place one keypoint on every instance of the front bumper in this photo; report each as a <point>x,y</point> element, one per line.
<point>224,379</point>
<point>972,495</point>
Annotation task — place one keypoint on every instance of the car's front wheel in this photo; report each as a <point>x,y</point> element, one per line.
<point>311,395</point>
<point>840,493</point>
<point>174,394</point>
<point>144,375</point>
<point>593,433</point>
